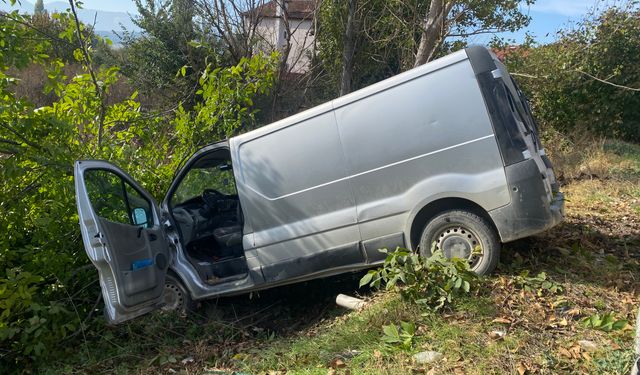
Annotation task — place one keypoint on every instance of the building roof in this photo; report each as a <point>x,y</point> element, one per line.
<point>503,53</point>
<point>296,9</point>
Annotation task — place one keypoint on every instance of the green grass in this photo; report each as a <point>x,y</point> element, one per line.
<point>355,331</point>
<point>462,335</point>
<point>157,340</point>
<point>628,165</point>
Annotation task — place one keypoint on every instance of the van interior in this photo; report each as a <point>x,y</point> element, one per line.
<point>207,213</point>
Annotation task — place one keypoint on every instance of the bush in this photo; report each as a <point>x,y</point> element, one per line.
<point>44,299</point>
<point>588,80</point>
<point>433,282</point>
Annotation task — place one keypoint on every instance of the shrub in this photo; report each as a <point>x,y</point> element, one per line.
<point>586,81</point>
<point>432,282</point>
<point>43,298</point>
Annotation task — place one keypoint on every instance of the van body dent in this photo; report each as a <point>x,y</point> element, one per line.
<point>443,156</point>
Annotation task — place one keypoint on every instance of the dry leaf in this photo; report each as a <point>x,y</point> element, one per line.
<point>337,363</point>
<point>521,369</point>
<point>564,352</point>
<point>628,300</point>
<point>575,351</point>
<point>501,320</point>
<point>573,312</point>
<point>614,346</point>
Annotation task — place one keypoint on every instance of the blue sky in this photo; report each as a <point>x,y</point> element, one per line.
<point>108,5</point>
<point>547,15</point>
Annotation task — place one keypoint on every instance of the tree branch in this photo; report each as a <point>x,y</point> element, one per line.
<point>94,79</point>
<point>608,82</point>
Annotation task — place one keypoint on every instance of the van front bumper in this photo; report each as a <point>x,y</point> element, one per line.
<point>530,211</point>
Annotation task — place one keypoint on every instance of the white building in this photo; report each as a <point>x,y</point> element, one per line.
<point>272,18</point>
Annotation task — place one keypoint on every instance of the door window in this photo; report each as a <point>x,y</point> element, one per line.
<point>113,199</point>
<point>209,175</point>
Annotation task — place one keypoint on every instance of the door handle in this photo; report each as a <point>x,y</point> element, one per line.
<point>152,237</point>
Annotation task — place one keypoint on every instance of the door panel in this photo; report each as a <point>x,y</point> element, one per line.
<point>123,238</point>
<point>292,182</point>
<point>429,144</point>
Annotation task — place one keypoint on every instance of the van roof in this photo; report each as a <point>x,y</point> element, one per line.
<point>360,94</point>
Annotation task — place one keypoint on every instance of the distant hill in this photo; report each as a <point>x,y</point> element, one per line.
<point>105,22</point>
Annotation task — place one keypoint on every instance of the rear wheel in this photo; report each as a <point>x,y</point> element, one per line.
<point>465,235</point>
<point>176,296</point>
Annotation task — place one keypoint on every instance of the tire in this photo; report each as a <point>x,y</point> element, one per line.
<point>459,233</point>
<point>177,297</point>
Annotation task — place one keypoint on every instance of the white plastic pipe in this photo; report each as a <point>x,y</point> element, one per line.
<point>635,370</point>
<point>349,302</point>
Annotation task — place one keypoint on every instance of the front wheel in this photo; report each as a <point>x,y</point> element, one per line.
<point>177,297</point>
<point>465,235</point>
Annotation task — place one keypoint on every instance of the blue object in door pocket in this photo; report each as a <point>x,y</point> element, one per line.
<point>142,263</point>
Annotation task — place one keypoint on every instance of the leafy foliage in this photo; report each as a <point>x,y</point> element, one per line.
<point>399,336</point>
<point>433,282</point>
<point>588,80</point>
<point>44,296</point>
<point>607,322</point>
<point>227,100</point>
<point>171,38</point>
<point>388,33</point>
<point>539,284</point>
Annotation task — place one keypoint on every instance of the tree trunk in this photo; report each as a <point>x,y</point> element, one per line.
<point>283,69</point>
<point>433,30</point>
<point>348,50</point>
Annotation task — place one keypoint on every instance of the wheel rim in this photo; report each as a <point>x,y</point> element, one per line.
<point>458,241</point>
<point>173,297</point>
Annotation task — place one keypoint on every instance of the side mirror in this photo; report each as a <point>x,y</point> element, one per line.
<point>140,216</point>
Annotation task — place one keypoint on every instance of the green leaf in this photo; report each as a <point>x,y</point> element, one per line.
<point>366,279</point>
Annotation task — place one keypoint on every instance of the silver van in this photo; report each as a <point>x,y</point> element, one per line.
<point>446,153</point>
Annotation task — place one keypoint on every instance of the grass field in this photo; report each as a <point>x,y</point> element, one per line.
<point>591,264</point>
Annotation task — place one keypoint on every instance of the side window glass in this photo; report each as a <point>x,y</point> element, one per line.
<point>218,177</point>
<point>115,200</point>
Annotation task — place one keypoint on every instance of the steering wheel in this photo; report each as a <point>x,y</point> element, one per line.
<point>211,197</point>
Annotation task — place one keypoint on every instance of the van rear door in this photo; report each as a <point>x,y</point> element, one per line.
<point>529,129</point>
<point>535,136</point>
<point>514,126</point>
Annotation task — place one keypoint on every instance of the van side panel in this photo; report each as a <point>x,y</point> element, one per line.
<point>301,208</point>
<point>425,139</point>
